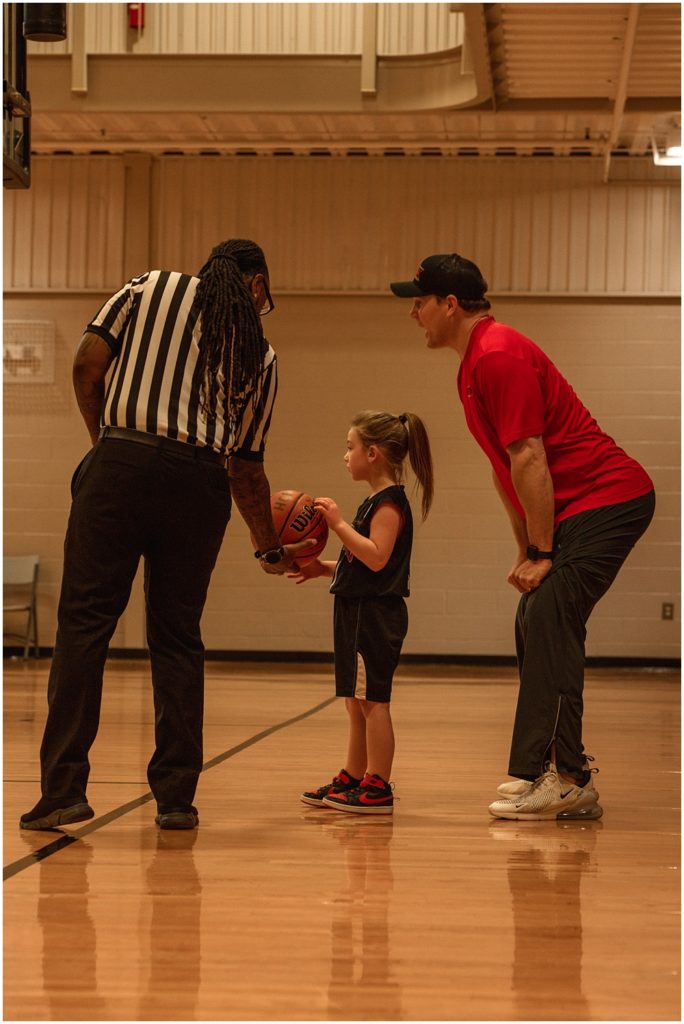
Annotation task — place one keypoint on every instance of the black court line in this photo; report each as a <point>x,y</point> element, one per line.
<point>66,839</point>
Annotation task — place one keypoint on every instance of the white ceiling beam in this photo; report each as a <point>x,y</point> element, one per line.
<point>79,56</point>
<point>623,80</point>
<point>476,48</point>
<point>369,50</point>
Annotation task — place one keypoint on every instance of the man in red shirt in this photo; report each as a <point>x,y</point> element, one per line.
<point>577,504</point>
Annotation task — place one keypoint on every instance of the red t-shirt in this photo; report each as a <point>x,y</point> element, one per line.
<point>511,390</point>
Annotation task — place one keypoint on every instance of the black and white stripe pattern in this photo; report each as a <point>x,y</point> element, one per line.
<point>152,329</point>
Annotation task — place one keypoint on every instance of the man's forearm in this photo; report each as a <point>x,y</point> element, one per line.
<point>91,362</point>
<point>250,489</point>
<point>90,397</point>
<point>534,487</point>
<point>517,524</point>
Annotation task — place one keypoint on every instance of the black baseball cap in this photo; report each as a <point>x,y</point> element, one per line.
<point>446,274</point>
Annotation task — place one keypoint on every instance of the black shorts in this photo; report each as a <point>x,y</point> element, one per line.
<point>369,633</point>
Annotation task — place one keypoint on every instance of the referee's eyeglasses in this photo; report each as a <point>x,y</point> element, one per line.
<point>268,305</point>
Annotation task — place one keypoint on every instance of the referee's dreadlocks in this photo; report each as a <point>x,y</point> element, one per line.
<point>232,339</point>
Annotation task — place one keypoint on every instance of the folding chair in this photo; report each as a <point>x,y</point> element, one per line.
<point>20,585</point>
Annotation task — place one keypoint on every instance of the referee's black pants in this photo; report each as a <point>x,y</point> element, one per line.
<point>550,633</point>
<point>131,500</point>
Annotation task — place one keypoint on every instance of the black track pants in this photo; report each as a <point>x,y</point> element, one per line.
<point>550,631</point>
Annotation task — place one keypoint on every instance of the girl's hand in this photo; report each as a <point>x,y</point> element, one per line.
<point>330,511</point>
<point>309,571</point>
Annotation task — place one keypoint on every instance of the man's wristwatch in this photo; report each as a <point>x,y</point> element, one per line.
<point>535,555</point>
<point>272,556</point>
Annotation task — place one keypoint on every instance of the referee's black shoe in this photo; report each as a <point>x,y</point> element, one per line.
<point>177,817</point>
<point>46,816</point>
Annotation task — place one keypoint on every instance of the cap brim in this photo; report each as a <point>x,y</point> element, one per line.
<point>406,289</point>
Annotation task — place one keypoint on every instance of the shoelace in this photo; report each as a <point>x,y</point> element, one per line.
<point>544,780</point>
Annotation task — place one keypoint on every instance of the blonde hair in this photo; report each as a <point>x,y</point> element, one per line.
<point>397,437</point>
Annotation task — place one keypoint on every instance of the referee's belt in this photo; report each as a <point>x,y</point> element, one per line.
<point>168,444</point>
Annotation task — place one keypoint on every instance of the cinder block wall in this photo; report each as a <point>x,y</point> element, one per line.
<point>341,354</point>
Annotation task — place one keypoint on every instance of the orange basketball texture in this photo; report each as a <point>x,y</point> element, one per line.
<point>295,519</point>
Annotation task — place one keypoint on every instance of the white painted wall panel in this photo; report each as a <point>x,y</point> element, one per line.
<point>327,28</point>
<point>106,30</point>
<point>67,230</point>
<point>255,28</point>
<point>417,28</point>
<point>352,224</point>
<point>551,226</point>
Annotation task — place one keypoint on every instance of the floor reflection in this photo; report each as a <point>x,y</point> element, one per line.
<point>363,976</point>
<point>546,864</point>
<point>170,967</point>
<point>173,885</point>
<point>69,974</point>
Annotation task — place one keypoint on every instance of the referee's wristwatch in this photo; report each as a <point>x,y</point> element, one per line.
<point>535,555</point>
<point>271,557</point>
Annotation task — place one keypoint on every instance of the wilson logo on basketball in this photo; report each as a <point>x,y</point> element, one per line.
<point>300,522</point>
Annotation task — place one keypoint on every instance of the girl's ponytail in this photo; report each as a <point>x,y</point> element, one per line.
<point>420,457</point>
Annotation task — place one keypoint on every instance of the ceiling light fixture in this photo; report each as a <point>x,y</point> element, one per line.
<point>672,154</point>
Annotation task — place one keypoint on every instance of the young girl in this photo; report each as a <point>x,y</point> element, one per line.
<point>370,582</point>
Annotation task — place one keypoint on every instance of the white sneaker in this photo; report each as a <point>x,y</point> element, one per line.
<point>519,787</point>
<point>547,798</point>
<point>586,806</point>
<point>590,812</point>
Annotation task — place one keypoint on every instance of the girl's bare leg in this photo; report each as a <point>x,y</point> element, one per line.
<point>356,749</point>
<point>379,738</point>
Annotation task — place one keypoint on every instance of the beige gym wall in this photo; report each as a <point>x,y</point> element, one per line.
<point>589,271</point>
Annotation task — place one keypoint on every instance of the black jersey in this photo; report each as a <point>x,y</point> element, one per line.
<point>353,578</point>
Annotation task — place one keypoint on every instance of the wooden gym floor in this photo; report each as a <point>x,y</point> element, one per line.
<point>275,911</point>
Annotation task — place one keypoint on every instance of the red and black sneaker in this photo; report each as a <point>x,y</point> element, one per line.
<point>340,784</point>
<point>373,796</point>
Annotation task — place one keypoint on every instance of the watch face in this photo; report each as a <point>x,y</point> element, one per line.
<point>273,556</point>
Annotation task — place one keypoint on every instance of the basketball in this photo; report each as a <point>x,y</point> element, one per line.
<point>295,519</point>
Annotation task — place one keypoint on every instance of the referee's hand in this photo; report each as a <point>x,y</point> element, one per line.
<point>289,559</point>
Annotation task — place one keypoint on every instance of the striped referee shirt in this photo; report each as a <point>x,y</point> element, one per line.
<point>152,328</point>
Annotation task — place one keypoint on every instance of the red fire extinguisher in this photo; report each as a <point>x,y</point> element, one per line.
<point>136,15</point>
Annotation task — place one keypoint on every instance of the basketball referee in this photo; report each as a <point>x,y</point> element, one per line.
<point>190,396</point>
